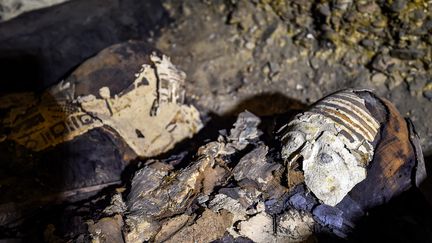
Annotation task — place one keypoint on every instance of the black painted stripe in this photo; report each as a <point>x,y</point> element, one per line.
<point>367,145</point>
<point>359,105</point>
<point>355,117</point>
<point>340,122</point>
<point>74,121</point>
<point>349,122</point>
<point>347,135</point>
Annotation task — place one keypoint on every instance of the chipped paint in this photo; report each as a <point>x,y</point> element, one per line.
<point>334,152</point>
<point>149,115</point>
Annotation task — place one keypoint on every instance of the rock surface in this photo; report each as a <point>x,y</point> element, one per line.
<point>12,8</point>
<point>303,51</point>
<point>63,36</point>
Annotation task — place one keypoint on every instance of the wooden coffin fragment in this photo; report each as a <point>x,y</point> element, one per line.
<point>78,136</point>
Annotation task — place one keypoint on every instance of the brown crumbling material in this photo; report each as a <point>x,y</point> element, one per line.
<point>158,193</point>
<point>106,229</point>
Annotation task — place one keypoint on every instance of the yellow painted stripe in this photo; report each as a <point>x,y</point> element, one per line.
<point>359,115</point>
<point>358,99</point>
<point>349,119</point>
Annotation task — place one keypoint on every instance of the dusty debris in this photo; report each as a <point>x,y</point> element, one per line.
<point>244,131</point>
<point>140,230</point>
<point>12,8</point>
<point>232,205</point>
<point>254,167</point>
<point>320,46</point>
<point>171,227</point>
<point>157,193</point>
<point>241,203</point>
<point>116,206</point>
<point>163,194</point>
<point>295,226</point>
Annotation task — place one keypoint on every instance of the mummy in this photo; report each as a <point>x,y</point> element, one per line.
<point>334,142</point>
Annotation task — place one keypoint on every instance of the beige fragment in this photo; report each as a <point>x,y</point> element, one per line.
<point>106,230</point>
<point>332,165</point>
<point>293,226</point>
<point>140,230</point>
